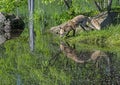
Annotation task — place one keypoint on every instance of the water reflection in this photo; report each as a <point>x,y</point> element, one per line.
<point>81,56</point>
<point>48,64</point>
<point>13,35</point>
<point>97,67</point>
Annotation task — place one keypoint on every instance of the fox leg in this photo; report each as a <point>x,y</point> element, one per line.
<point>73,32</point>
<point>68,33</point>
<point>83,27</point>
<point>83,24</point>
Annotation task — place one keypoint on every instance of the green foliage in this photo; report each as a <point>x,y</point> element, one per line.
<point>10,5</point>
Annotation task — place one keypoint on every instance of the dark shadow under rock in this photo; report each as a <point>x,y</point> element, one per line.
<point>11,26</point>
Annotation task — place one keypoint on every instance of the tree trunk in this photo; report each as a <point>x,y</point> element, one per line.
<point>68,3</point>
<point>103,4</point>
<point>31,25</point>
<point>109,5</point>
<point>98,6</point>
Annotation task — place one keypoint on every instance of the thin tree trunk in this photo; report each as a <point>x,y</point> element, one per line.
<point>31,25</point>
<point>98,6</point>
<point>109,5</point>
<point>118,2</point>
<point>17,11</point>
<point>101,4</point>
<point>68,3</point>
<point>104,3</point>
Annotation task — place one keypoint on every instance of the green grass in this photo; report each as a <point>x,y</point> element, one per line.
<point>109,36</point>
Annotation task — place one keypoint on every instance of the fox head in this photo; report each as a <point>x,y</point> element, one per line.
<point>62,32</point>
<point>55,29</point>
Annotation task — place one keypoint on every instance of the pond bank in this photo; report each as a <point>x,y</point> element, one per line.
<point>109,37</point>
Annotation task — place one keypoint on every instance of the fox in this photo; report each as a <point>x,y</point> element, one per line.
<point>72,24</point>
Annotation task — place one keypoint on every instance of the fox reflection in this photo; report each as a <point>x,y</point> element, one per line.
<point>82,56</point>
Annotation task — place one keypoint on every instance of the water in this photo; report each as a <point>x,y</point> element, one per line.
<point>93,67</point>
<point>57,62</point>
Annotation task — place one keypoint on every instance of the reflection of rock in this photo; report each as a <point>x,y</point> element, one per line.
<point>10,26</point>
<point>82,56</point>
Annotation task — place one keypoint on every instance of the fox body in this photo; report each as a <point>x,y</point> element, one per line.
<point>84,22</point>
<point>72,24</point>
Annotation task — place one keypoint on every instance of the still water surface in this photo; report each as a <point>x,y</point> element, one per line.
<point>56,62</point>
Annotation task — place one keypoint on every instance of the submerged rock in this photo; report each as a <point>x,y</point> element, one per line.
<point>11,26</point>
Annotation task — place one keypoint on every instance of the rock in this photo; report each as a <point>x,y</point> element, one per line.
<point>11,26</point>
<point>105,18</point>
<point>2,39</point>
<point>17,26</point>
<point>2,20</point>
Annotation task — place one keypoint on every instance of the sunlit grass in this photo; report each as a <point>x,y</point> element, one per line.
<point>109,36</point>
